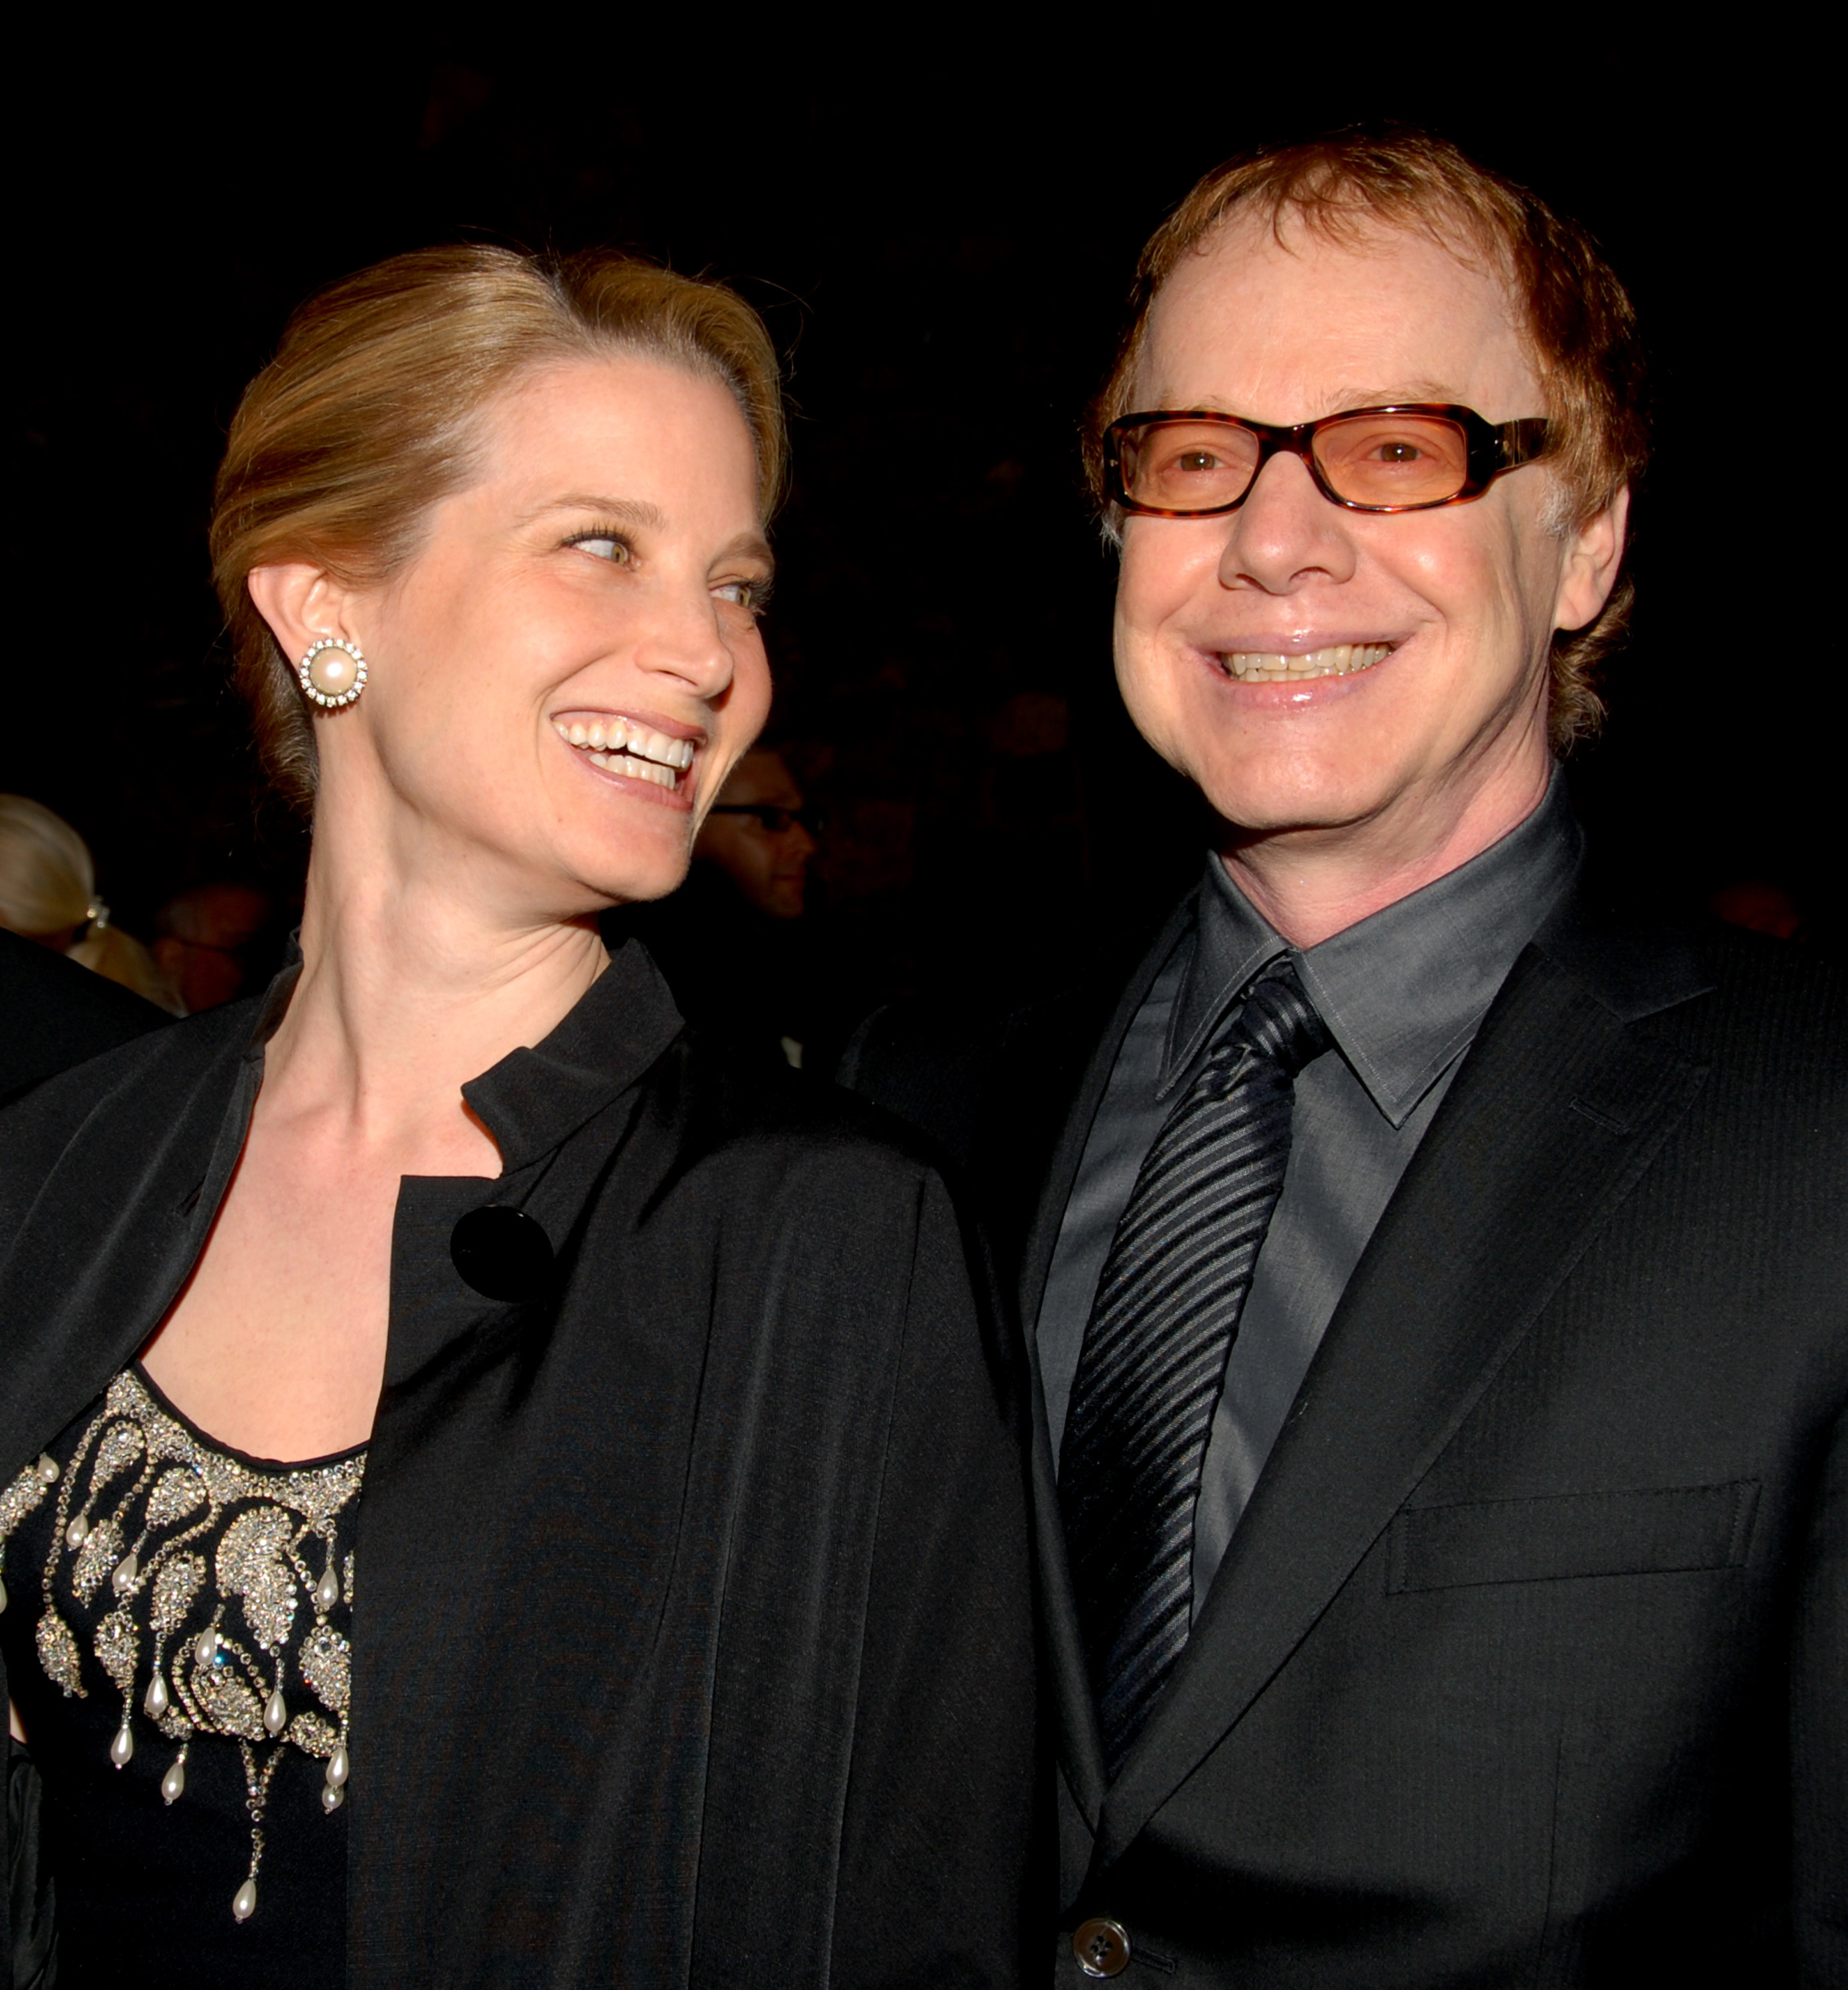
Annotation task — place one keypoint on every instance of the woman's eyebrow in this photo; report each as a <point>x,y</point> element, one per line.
<point>749,545</point>
<point>625,511</point>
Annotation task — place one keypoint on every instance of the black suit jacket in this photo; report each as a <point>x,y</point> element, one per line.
<point>1528,1663</point>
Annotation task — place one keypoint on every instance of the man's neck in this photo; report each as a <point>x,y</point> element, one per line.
<point>1312,883</point>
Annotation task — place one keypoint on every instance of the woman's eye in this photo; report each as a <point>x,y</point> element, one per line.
<point>604,546</point>
<point>743,593</point>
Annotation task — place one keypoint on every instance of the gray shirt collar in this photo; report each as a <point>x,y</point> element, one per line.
<point>1403,991</point>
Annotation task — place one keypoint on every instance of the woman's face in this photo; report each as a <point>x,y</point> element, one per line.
<point>563,677</point>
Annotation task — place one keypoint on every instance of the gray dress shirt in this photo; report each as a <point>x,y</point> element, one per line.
<point>1402,994</point>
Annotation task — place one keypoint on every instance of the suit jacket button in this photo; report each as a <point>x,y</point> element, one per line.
<point>1101,1947</point>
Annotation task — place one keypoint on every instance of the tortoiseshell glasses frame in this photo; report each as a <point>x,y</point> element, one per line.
<point>1434,453</point>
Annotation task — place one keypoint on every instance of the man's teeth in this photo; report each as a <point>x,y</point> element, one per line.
<point>624,747</point>
<point>1269,667</point>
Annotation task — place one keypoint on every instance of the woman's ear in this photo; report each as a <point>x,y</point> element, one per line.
<point>302,604</point>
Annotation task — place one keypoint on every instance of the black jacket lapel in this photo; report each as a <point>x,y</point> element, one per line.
<point>1558,1109</point>
<point>1081,1750</point>
<point>144,1169</point>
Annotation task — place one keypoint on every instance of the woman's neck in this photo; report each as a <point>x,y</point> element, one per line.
<point>411,986</point>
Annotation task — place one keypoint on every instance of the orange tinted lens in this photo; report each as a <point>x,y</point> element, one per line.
<point>1394,458</point>
<point>1187,465</point>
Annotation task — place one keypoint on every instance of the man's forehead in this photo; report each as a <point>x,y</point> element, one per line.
<point>1395,316</point>
<point>763,777</point>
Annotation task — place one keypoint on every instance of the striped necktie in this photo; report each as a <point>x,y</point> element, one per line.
<point>1155,1348</point>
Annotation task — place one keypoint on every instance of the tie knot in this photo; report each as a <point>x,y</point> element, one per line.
<point>1280,1021</point>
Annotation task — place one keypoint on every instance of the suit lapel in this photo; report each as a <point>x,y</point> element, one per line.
<point>1081,1751</point>
<point>1558,1111</point>
<point>1042,1235</point>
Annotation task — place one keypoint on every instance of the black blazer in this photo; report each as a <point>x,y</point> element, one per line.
<point>694,1638</point>
<point>1528,1663</point>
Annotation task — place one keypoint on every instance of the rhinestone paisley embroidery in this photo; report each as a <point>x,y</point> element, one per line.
<point>156,1564</point>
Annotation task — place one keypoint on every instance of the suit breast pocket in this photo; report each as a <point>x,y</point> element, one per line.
<point>1654,1531</point>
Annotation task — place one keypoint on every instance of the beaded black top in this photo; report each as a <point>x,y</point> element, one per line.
<point>175,1631</point>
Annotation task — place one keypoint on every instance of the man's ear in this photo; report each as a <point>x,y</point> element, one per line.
<point>303,605</point>
<point>1594,555</point>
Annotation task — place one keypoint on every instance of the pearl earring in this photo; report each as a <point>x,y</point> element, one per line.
<point>333,673</point>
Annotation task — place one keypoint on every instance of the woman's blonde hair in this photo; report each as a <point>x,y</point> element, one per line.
<point>369,415</point>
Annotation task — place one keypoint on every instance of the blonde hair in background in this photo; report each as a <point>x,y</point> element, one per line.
<point>370,414</point>
<point>120,956</point>
<point>48,882</point>
<point>1579,324</point>
<point>48,888</point>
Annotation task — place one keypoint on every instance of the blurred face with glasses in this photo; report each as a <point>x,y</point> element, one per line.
<point>1344,562</point>
<point>758,834</point>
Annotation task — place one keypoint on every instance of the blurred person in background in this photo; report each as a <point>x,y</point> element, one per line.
<point>207,939</point>
<point>48,894</point>
<point>731,941</point>
<point>757,836</point>
<point>1759,904</point>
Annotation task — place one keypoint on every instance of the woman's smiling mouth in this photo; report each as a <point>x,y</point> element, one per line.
<point>624,745</point>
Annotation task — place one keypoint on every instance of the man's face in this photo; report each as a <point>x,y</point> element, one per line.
<point>1463,599</point>
<point>754,836</point>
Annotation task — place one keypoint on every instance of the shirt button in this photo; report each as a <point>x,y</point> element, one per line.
<point>1101,1947</point>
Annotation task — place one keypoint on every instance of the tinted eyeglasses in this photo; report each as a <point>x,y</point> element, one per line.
<point>1194,464</point>
<point>775,821</point>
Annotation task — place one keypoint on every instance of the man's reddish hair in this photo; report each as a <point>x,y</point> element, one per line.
<point>1577,319</point>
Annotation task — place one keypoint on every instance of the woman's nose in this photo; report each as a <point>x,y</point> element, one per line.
<point>683,640</point>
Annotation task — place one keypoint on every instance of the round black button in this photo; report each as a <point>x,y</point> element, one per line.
<point>1101,1947</point>
<point>502,1252</point>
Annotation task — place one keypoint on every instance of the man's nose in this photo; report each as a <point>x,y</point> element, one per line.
<point>1286,532</point>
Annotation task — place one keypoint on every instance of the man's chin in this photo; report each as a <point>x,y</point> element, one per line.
<point>1251,807</point>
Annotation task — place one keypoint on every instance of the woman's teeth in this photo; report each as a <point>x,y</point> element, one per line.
<point>621,746</point>
<point>1269,666</point>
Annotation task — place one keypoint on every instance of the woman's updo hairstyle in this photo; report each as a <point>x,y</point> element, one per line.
<point>368,416</point>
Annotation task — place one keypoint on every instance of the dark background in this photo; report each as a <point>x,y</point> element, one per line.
<point>940,235</point>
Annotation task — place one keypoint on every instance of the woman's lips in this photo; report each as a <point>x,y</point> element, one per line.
<point>631,750</point>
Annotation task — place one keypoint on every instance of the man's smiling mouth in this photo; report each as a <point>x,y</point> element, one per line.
<point>1340,660</point>
<point>627,746</point>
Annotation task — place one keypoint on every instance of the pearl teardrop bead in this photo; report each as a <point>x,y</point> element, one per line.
<point>156,1702</point>
<point>275,1713</point>
<point>2,1593</point>
<point>173,1784</point>
<point>331,1798</point>
<point>127,1570</point>
<point>243,1904</point>
<point>77,1533</point>
<point>121,1750</point>
<point>205,1648</point>
<point>338,1767</point>
<point>327,1591</point>
<point>48,1468</point>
